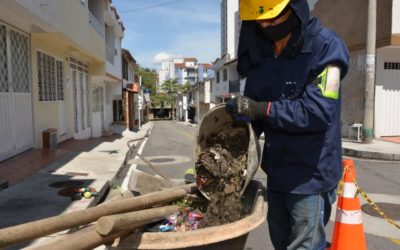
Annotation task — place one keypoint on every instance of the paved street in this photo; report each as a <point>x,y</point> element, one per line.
<point>171,147</point>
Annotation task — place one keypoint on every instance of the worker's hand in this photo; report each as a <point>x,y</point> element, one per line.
<point>242,107</point>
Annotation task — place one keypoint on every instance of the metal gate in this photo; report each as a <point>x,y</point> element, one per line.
<point>16,126</point>
<point>387,110</point>
<point>98,110</point>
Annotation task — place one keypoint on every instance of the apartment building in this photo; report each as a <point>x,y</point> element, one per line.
<point>187,71</point>
<point>228,82</point>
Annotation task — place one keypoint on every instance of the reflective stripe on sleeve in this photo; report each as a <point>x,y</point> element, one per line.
<point>329,82</point>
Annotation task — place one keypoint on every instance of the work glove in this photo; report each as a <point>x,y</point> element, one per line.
<point>243,108</point>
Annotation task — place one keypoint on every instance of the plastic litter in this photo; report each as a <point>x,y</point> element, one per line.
<point>184,220</point>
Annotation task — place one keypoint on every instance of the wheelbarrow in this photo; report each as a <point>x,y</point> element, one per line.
<point>230,236</point>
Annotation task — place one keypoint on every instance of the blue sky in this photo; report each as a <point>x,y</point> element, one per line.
<point>159,29</point>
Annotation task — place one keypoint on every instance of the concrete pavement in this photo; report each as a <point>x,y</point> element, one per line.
<point>39,196</point>
<point>377,150</point>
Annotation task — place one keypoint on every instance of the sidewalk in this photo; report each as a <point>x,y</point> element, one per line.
<point>377,150</point>
<point>40,180</point>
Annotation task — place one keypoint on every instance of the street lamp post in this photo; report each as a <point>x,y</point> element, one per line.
<point>140,101</point>
<point>370,74</point>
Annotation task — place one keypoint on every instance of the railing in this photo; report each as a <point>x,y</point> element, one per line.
<point>234,86</point>
<point>96,25</point>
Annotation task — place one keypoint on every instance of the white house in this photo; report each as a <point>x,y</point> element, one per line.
<point>51,54</point>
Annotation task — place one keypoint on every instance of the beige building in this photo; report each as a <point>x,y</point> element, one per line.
<point>50,64</point>
<point>130,91</point>
<point>349,20</point>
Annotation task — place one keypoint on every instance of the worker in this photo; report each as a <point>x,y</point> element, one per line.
<point>293,68</point>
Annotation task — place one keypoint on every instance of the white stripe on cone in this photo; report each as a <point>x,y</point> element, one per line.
<point>349,190</point>
<point>352,217</point>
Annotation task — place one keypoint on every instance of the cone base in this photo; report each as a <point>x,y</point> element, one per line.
<point>348,237</point>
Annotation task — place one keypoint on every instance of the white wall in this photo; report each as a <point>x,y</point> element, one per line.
<point>396,17</point>
<point>116,68</point>
<point>387,94</point>
<point>229,27</point>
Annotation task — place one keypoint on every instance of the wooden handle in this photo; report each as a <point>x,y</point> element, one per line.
<point>110,224</point>
<point>32,230</point>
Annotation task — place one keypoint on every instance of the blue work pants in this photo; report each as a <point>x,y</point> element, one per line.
<point>297,221</point>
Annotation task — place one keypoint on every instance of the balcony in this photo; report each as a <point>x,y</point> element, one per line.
<point>96,25</point>
<point>234,86</point>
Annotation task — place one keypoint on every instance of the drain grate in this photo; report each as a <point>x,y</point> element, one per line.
<point>390,209</point>
<point>156,160</point>
<point>66,184</point>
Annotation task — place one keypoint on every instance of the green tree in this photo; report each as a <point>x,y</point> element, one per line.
<point>149,79</point>
<point>185,88</point>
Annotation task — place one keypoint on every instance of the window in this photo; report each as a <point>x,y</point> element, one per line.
<point>125,69</point>
<point>217,76</point>
<point>3,60</point>
<point>225,75</point>
<point>50,78</point>
<point>392,65</point>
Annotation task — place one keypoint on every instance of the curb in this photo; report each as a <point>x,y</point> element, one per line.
<point>370,155</point>
<point>365,154</point>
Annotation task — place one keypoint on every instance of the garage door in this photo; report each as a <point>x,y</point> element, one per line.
<point>16,129</point>
<point>387,118</point>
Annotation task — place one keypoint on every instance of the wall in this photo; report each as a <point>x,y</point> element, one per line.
<point>353,92</point>
<point>396,17</point>
<point>351,25</point>
<point>73,14</point>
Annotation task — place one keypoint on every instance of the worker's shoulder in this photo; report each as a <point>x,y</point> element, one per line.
<point>326,35</point>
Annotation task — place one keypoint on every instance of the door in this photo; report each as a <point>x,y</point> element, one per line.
<point>80,99</point>
<point>16,125</point>
<point>98,110</point>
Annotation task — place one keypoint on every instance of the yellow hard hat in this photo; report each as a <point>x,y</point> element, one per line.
<point>261,9</point>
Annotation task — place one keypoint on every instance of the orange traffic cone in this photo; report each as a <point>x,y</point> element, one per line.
<point>348,232</point>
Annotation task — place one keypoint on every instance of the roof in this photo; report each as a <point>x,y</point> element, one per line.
<point>180,65</point>
<point>126,53</point>
<point>112,7</point>
<point>207,65</point>
<point>190,59</point>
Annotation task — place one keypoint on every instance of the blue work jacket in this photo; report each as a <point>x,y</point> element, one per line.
<point>302,152</point>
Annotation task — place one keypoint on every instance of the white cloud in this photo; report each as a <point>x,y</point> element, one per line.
<point>163,56</point>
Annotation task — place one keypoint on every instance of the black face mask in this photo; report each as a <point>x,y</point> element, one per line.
<point>279,31</point>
